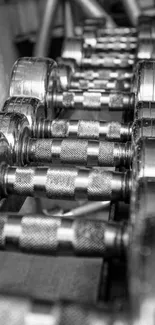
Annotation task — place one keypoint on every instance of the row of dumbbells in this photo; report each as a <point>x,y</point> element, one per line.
<point>74,183</point>
<point>36,93</point>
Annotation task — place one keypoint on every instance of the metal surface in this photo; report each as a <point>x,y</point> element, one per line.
<point>93,9</point>
<point>65,183</point>
<point>123,238</point>
<point>68,19</point>
<point>133,10</point>
<point>42,45</point>
<point>43,73</point>
<point>46,235</point>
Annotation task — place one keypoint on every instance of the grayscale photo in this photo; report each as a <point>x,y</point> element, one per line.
<point>77,162</point>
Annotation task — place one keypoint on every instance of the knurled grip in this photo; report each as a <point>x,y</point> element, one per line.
<point>99,184</point>
<point>24,181</point>
<point>119,101</point>
<point>39,234</point>
<point>117,38</point>
<point>107,62</point>
<point>100,84</point>
<point>89,237</point>
<point>62,183</point>
<point>106,156</point>
<point>116,46</point>
<point>102,74</point>
<point>71,151</point>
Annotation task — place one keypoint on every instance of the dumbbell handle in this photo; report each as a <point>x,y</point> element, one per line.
<point>41,234</point>
<point>112,46</point>
<point>100,74</point>
<point>117,38</point>
<point>107,61</point>
<point>100,84</point>
<point>116,31</point>
<point>81,129</point>
<point>75,152</point>
<point>114,101</point>
<point>65,183</point>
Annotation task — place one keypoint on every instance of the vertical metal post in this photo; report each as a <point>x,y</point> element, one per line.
<point>44,37</point>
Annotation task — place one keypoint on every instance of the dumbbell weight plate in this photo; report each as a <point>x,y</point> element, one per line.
<point>36,78</point>
<point>141,254</point>
<point>30,107</point>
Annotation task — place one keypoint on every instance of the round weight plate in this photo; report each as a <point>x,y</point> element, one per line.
<point>12,125</point>
<point>141,254</point>
<point>144,81</point>
<point>30,107</point>
<point>35,78</point>
<point>144,110</point>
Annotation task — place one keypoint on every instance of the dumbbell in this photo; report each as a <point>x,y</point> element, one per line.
<point>86,152</point>
<point>81,129</point>
<point>145,38</point>
<point>143,124</point>
<point>143,85</point>
<point>75,49</point>
<point>74,183</point>
<point>54,235</point>
<point>119,79</point>
<point>92,35</point>
<point>26,150</point>
<point>97,38</point>
<point>98,74</point>
<point>55,99</point>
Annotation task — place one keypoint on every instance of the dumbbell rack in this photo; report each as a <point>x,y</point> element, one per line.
<point>40,89</point>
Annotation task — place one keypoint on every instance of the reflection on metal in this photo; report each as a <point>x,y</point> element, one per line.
<point>133,10</point>
<point>43,42</point>
<point>68,19</point>
<point>93,9</point>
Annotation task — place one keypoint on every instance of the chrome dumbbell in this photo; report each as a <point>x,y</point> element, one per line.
<point>54,235</point>
<point>81,129</point>
<point>74,183</point>
<point>56,99</point>
<point>97,74</point>
<point>25,149</point>
<point>75,49</point>
<point>97,38</point>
